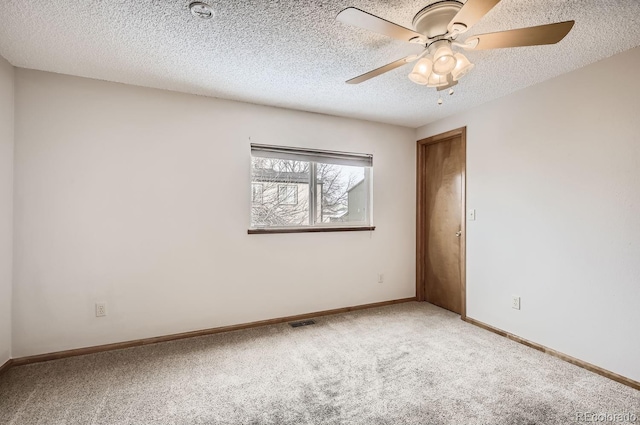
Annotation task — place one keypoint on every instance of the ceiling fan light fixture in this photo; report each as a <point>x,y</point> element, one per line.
<point>462,68</point>
<point>436,80</point>
<point>443,59</point>
<point>437,26</point>
<point>421,71</point>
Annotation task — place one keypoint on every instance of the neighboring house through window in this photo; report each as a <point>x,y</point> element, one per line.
<point>287,194</point>
<point>256,193</point>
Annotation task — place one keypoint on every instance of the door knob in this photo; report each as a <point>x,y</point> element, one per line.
<point>458,233</point>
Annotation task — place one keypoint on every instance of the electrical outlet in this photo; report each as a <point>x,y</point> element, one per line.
<point>515,302</point>
<point>101,309</point>
<point>380,278</point>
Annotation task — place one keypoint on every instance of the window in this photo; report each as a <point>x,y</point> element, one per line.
<point>287,194</point>
<point>256,193</point>
<point>303,189</point>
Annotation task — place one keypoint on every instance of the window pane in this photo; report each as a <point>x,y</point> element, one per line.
<point>343,194</point>
<point>285,192</point>
<point>256,193</point>
<point>288,194</point>
<point>321,188</point>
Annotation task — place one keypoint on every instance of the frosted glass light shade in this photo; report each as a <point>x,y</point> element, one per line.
<point>421,71</point>
<point>443,59</point>
<point>436,80</point>
<point>463,66</point>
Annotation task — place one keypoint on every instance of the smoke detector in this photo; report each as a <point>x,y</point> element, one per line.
<point>201,10</point>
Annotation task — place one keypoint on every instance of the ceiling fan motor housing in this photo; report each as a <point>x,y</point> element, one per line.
<point>432,21</point>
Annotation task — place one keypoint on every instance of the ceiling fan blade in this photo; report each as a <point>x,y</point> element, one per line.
<point>531,36</point>
<point>361,19</point>
<point>388,67</point>
<point>472,12</point>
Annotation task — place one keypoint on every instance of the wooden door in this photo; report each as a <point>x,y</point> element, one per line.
<point>441,221</point>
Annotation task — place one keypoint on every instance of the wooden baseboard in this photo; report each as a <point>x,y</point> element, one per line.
<point>146,341</point>
<point>588,366</point>
<point>5,367</point>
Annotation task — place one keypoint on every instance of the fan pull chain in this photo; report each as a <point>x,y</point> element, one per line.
<point>440,101</point>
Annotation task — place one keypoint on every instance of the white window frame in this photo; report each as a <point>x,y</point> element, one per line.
<point>314,156</point>
<point>293,186</point>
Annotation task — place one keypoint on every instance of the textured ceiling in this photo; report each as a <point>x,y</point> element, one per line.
<point>293,54</point>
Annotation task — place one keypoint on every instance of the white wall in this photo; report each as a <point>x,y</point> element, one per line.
<point>554,173</point>
<point>6,204</point>
<point>140,198</point>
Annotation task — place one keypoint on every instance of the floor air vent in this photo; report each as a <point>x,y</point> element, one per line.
<point>302,323</point>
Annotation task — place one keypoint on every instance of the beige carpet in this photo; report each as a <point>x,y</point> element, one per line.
<point>406,364</point>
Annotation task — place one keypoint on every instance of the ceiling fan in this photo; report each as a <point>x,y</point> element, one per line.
<point>437,27</point>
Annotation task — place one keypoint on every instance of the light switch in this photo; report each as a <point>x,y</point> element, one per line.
<point>472,215</point>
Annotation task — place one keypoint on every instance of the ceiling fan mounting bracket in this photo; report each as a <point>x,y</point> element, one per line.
<point>435,40</point>
<point>469,44</point>
<point>418,40</point>
<point>432,21</point>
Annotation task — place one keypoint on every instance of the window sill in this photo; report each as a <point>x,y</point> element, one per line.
<point>310,230</point>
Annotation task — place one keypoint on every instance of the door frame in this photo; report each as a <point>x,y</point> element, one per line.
<point>421,213</point>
